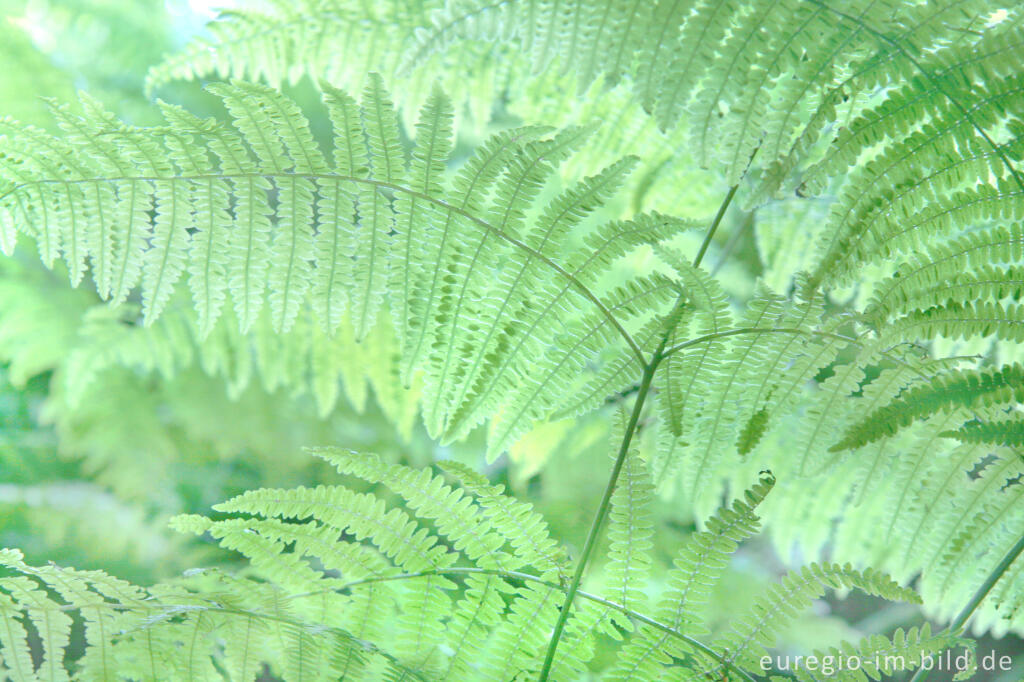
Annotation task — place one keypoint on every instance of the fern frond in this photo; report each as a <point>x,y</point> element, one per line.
<point>937,136</point>
<point>987,283</point>
<point>456,515</point>
<point>984,530</point>
<point>169,629</point>
<point>749,638</point>
<point>742,86</point>
<point>337,510</point>
<point>303,233</point>
<point>526,530</point>
<point>279,42</point>
<point>484,638</point>
<point>688,374</point>
<point>630,528</point>
<point>957,321</point>
<point>1008,432</point>
<point>760,372</point>
<point>397,535</point>
<point>877,655</point>
<point>968,388</point>
<point>699,563</point>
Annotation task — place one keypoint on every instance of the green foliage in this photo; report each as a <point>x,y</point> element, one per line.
<point>467,595</point>
<point>447,228</point>
<point>972,390</point>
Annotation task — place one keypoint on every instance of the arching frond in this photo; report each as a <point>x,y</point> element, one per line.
<point>305,234</point>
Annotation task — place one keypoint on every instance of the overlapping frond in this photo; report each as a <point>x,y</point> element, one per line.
<point>1008,432</point>
<point>941,153</point>
<point>460,579</point>
<point>281,41</point>
<point>488,290</point>
<point>745,76</point>
<point>267,227</point>
<point>412,587</point>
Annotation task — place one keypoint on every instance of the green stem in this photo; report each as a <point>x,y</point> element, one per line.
<point>602,511</point>
<point>714,225</point>
<point>960,622</point>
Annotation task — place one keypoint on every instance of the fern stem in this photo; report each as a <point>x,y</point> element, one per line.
<point>696,341</point>
<point>734,240</point>
<point>613,479</point>
<point>602,512</point>
<point>960,622</point>
<point>714,225</point>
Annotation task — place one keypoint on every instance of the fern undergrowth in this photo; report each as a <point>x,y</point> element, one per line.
<point>503,273</point>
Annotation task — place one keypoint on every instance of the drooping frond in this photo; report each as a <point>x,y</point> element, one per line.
<point>942,154</point>
<point>281,225</point>
<point>751,635</point>
<point>457,516</point>
<point>455,577</point>
<point>524,527</point>
<point>741,85</point>
<point>282,41</point>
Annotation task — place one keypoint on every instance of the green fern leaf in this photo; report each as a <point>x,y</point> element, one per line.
<point>697,566</point>
<point>1008,432</point>
<point>972,389</point>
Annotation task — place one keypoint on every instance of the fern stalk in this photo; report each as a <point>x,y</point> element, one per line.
<point>602,511</point>
<point>650,368</point>
<point>957,626</point>
<point>714,225</point>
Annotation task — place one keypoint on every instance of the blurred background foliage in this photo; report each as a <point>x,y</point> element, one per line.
<point>96,455</point>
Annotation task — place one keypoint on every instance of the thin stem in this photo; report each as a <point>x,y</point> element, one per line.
<point>714,225</point>
<point>696,341</point>
<point>734,239</point>
<point>602,511</point>
<point>960,622</point>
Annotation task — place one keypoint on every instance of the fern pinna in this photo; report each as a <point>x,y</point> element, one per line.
<point>466,576</point>
<point>485,289</point>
